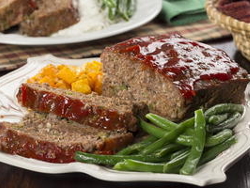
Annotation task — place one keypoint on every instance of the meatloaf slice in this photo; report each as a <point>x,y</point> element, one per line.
<point>50,138</point>
<point>92,110</point>
<point>12,12</point>
<point>51,16</point>
<point>171,74</point>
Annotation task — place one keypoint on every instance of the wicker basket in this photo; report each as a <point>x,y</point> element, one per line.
<point>240,30</point>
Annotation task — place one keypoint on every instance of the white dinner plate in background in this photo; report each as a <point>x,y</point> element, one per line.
<point>145,12</point>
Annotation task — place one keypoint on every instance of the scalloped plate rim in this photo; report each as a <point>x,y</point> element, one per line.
<point>210,173</point>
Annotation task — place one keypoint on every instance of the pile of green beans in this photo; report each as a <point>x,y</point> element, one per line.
<point>175,147</point>
<point>223,116</point>
<point>119,8</point>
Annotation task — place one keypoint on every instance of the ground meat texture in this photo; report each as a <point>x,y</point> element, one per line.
<point>12,12</point>
<point>171,74</point>
<point>92,110</point>
<point>50,17</point>
<point>49,138</point>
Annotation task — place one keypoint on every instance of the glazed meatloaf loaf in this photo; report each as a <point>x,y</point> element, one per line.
<point>50,17</point>
<point>171,74</point>
<point>92,110</point>
<point>50,138</point>
<point>12,12</point>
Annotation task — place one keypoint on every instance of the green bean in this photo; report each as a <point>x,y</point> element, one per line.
<point>151,129</point>
<point>198,144</point>
<point>159,132</point>
<point>224,108</point>
<point>213,152</point>
<point>217,119</point>
<point>218,138</point>
<point>122,9</point>
<point>113,159</point>
<point>179,152</point>
<point>230,123</point>
<point>167,150</point>
<point>165,123</point>
<point>176,162</point>
<point>111,13</point>
<point>139,166</point>
<point>161,122</point>
<point>213,140</point>
<point>184,140</point>
<point>189,132</point>
<point>131,7</point>
<point>119,8</point>
<point>168,137</point>
<point>110,3</point>
<point>127,8</point>
<point>135,148</point>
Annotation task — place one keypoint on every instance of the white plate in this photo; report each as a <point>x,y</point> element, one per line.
<point>210,173</point>
<point>146,11</point>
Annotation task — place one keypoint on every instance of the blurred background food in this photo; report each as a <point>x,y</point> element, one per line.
<point>239,10</point>
<point>233,16</point>
<point>45,17</point>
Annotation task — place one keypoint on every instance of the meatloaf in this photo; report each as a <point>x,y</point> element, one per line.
<point>50,138</point>
<point>171,74</point>
<point>51,16</point>
<point>92,110</point>
<point>12,12</point>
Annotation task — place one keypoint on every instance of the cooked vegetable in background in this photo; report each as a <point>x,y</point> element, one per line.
<point>175,148</point>
<point>119,8</point>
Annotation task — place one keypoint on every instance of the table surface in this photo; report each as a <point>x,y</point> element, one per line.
<point>238,176</point>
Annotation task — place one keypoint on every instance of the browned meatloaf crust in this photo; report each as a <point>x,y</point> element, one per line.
<point>49,138</point>
<point>50,17</point>
<point>12,12</point>
<point>93,110</point>
<point>171,74</point>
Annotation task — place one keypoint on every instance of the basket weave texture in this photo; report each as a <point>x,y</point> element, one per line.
<point>239,30</point>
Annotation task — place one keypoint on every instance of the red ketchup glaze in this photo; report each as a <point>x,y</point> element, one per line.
<point>19,144</point>
<point>182,60</point>
<point>26,146</point>
<point>73,109</point>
